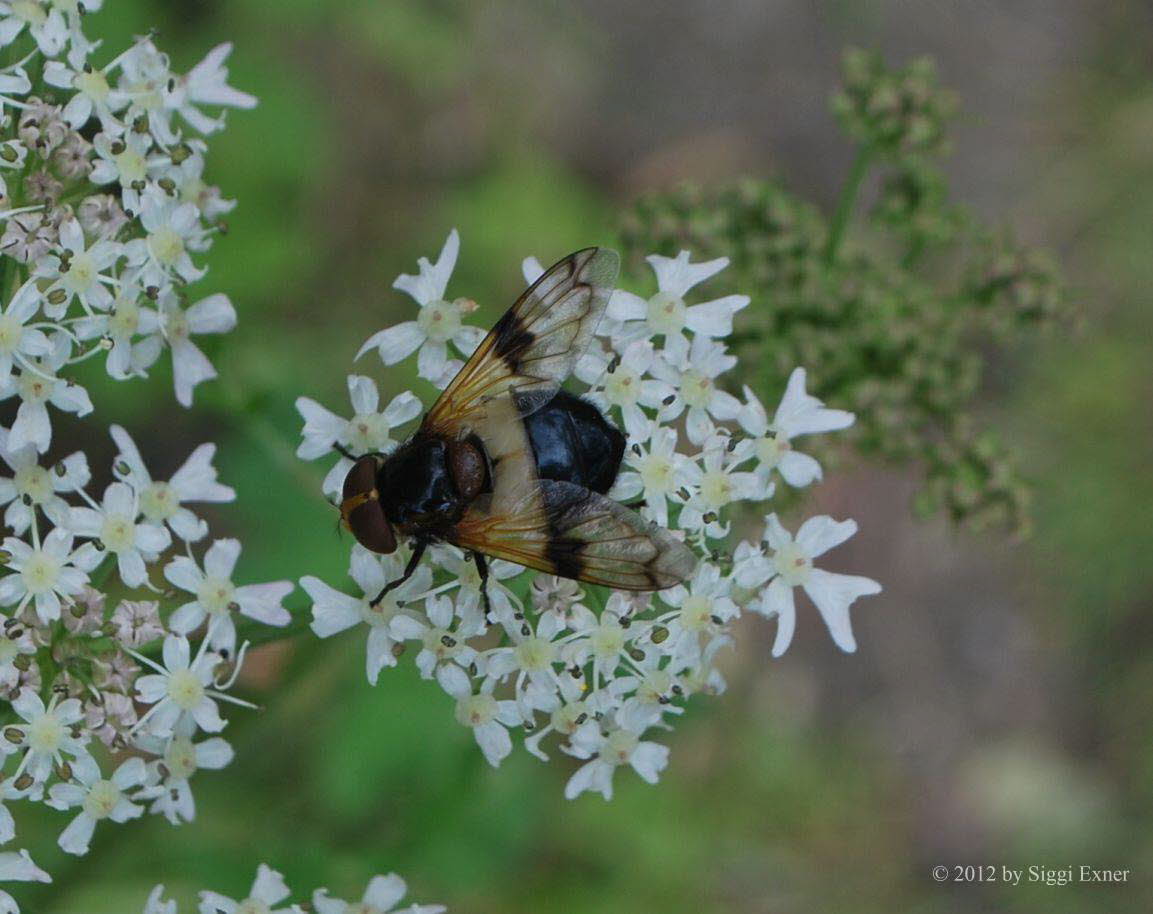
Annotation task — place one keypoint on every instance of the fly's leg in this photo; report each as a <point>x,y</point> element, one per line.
<point>482,570</point>
<point>345,452</point>
<point>414,560</point>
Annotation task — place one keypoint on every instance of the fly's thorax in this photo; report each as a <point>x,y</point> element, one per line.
<point>416,486</point>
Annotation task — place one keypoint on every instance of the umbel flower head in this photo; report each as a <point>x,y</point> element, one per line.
<point>593,673</point>
<point>146,677</point>
<point>105,217</point>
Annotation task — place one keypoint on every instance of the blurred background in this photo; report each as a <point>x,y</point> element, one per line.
<point>1000,707</point>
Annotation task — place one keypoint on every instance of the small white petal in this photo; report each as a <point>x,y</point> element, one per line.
<point>395,343</point>
<point>833,594</point>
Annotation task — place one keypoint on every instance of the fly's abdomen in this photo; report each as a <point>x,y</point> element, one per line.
<point>573,442</point>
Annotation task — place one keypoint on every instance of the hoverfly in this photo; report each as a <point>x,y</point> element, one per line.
<point>510,465</point>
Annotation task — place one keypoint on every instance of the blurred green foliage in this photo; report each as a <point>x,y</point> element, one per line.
<point>780,797</point>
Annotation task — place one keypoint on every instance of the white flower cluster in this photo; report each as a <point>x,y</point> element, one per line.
<point>270,893</point>
<point>103,213</point>
<point>597,671</point>
<point>103,208</point>
<point>86,678</point>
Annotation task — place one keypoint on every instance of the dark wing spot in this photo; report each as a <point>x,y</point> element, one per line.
<point>512,339</point>
<point>562,550</point>
<point>564,553</point>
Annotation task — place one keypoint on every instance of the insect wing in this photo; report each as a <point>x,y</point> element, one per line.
<point>565,529</point>
<point>534,346</point>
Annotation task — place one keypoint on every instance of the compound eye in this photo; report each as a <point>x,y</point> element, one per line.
<point>371,528</point>
<point>361,479</point>
<point>362,512</point>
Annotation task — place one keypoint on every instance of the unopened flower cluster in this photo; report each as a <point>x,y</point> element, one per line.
<point>270,893</point>
<point>893,306</point>
<point>593,673</point>
<point>117,643</point>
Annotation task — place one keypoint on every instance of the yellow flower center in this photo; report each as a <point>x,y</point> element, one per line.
<point>125,318</point>
<point>34,388</point>
<point>656,473</point>
<point>166,246</point>
<point>40,573</point>
<point>622,387</point>
<point>93,84</point>
<point>176,325</point>
<point>440,642</point>
<point>655,686</point>
<point>607,641</point>
<point>185,689</point>
<point>696,613</point>
<point>619,747</point>
<point>666,313</point>
<point>792,564</point>
<point>567,718</point>
<point>215,595</point>
<point>440,320</point>
<point>102,799</point>
<point>81,273</point>
<point>132,167</point>
<point>158,502</point>
<point>33,480</point>
<point>535,655</point>
<point>118,532</point>
<point>770,449</point>
<point>45,734</point>
<point>380,614</point>
<point>180,758</point>
<point>474,710</point>
<point>368,432</point>
<point>716,489</point>
<point>696,389</point>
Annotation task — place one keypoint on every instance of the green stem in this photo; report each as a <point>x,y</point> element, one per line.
<point>847,201</point>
